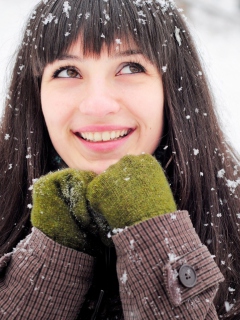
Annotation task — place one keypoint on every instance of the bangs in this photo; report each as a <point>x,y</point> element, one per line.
<point>59,24</point>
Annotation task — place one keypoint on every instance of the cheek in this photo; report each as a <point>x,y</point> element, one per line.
<point>151,109</point>
<point>156,126</point>
<point>55,109</point>
<point>48,104</point>
<point>154,114</point>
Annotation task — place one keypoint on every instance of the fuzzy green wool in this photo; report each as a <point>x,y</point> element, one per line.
<point>131,191</point>
<point>60,209</point>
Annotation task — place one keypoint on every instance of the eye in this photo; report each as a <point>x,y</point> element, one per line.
<point>66,72</point>
<point>131,68</point>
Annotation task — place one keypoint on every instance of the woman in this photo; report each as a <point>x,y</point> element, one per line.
<point>139,66</point>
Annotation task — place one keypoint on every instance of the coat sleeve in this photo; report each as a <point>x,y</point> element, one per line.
<point>43,280</point>
<point>164,270</point>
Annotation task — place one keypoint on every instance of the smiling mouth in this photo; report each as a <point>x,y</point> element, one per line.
<point>103,136</point>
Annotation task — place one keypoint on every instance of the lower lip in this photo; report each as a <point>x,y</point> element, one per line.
<point>104,146</point>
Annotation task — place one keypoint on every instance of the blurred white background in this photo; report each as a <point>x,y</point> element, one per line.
<point>216,28</point>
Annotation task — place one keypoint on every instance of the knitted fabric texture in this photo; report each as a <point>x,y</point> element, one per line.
<point>131,191</point>
<point>60,209</point>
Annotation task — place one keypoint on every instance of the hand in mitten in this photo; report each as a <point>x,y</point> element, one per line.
<point>130,191</point>
<point>60,210</point>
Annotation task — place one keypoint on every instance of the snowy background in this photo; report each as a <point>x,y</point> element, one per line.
<point>216,28</point>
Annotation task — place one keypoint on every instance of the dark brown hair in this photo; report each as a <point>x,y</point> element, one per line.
<point>202,168</point>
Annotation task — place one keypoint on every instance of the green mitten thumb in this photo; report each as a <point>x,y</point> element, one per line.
<point>60,209</point>
<point>130,191</point>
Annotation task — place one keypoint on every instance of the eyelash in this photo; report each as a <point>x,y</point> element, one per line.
<point>127,64</point>
<point>134,64</point>
<point>59,70</point>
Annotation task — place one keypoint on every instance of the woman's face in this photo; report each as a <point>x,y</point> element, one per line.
<point>98,109</point>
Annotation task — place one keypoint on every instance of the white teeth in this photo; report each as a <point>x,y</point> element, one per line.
<point>90,136</point>
<point>123,133</point>
<point>97,136</point>
<point>104,136</point>
<point>112,135</point>
<point>84,135</point>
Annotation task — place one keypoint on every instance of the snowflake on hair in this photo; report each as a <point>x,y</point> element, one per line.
<point>66,8</point>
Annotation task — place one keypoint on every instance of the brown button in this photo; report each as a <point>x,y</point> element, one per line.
<point>187,276</point>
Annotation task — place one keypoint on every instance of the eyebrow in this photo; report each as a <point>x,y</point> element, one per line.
<point>112,56</point>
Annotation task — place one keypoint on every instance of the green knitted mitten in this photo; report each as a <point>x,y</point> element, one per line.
<point>130,191</point>
<point>60,210</point>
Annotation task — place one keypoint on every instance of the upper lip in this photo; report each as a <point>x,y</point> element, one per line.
<point>102,128</point>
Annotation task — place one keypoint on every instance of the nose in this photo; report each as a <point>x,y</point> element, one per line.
<point>99,100</point>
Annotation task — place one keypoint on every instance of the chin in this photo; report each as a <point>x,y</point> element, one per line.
<point>101,167</point>
<point>95,166</point>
